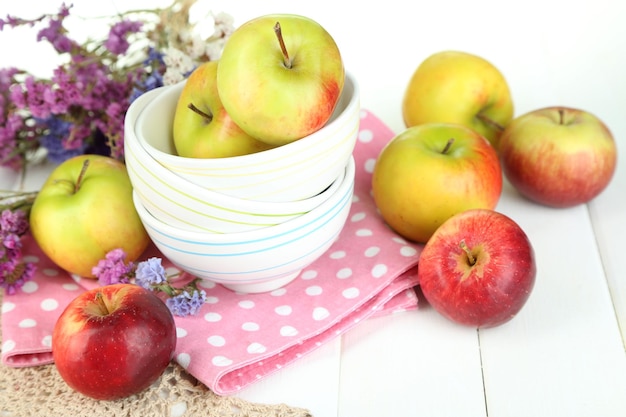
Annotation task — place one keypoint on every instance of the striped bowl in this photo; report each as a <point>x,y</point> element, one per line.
<point>259,260</point>
<point>180,203</point>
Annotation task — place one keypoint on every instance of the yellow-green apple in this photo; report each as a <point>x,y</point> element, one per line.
<point>459,87</point>
<point>280,77</point>
<point>478,269</point>
<point>85,209</point>
<point>202,128</point>
<point>430,172</point>
<point>113,341</point>
<point>558,156</point>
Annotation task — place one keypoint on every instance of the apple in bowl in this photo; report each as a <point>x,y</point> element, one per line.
<point>478,269</point>
<point>280,77</point>
<point>202,128</point>
<point>558,156</point>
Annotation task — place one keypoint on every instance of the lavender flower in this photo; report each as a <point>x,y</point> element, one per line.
<point>14,272</point>
<point>113,269</point>
<point>54,140</point>
<point>117,42</point>
<point>13,222</point>
<point>55,34</point>
<point>186,303</point>
<point>150,273</point>
<point>88,95</point>
<point>153,65</point>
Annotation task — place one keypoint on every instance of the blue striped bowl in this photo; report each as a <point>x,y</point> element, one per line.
<point>260,260</point>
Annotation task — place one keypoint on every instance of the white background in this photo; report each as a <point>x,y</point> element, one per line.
<point>563,355</point>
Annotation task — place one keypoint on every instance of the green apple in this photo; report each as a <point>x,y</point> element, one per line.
<point>85,209</point>
<point>458,87</point>
<point>202,128</point>
<point>280,77</point>
<point>430,172</point>
<point>558,156</point>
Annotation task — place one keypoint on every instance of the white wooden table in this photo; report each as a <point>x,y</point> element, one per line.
<point>563,355</point>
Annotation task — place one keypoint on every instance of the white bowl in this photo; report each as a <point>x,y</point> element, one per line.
<point>289,172</point>
<point>260,260</point>
<point>185,205</point>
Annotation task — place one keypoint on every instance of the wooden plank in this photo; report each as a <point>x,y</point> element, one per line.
<point>414,363</point>
<point>608,216</point>
<point>563,354</point>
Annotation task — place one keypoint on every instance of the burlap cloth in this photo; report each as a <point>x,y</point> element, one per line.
<point>40,391</point>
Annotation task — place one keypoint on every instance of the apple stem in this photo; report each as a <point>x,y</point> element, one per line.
<point>561,114</point>
<point>81,175</point>
<point>207,116</point>
<point>470,257</point>
<point>281,41</point>
<point>104,310</point>
<point>490,122</point>
<point>448,146</point>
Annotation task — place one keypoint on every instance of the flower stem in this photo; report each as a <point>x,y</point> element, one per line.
<point>17,200</point>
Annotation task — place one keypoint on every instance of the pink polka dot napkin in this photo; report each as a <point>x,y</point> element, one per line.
<point>237,339</point>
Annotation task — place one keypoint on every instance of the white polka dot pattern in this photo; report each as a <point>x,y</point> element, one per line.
<point>238,338</point>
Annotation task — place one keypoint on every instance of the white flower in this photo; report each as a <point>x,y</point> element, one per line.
<point>172,76</point>
<point>224,24</point>
<point>196,47</point>
<point>176,59</point>
<point>213,49</point>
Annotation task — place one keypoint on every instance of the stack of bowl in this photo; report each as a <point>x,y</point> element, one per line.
<point>251,222</point>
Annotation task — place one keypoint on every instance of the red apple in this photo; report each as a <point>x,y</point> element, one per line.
<point>478,268</point>
<point>558,156</point>
<point>113,341</point>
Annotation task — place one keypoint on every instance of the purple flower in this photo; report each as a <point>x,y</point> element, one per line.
<point>186,303</point>
<point>13,222</point>
<point>117,42</point>
<point>10,130</point>
<point>32,97</point>
<point>150,273</point>
<point>11,241</point>
<point>7,76</point>
<point>81,108</point>
<point>55,34</point>
<point>14,273</point>
<point>113,269</point>
<point>55,140</point>
<point>151,75</point>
